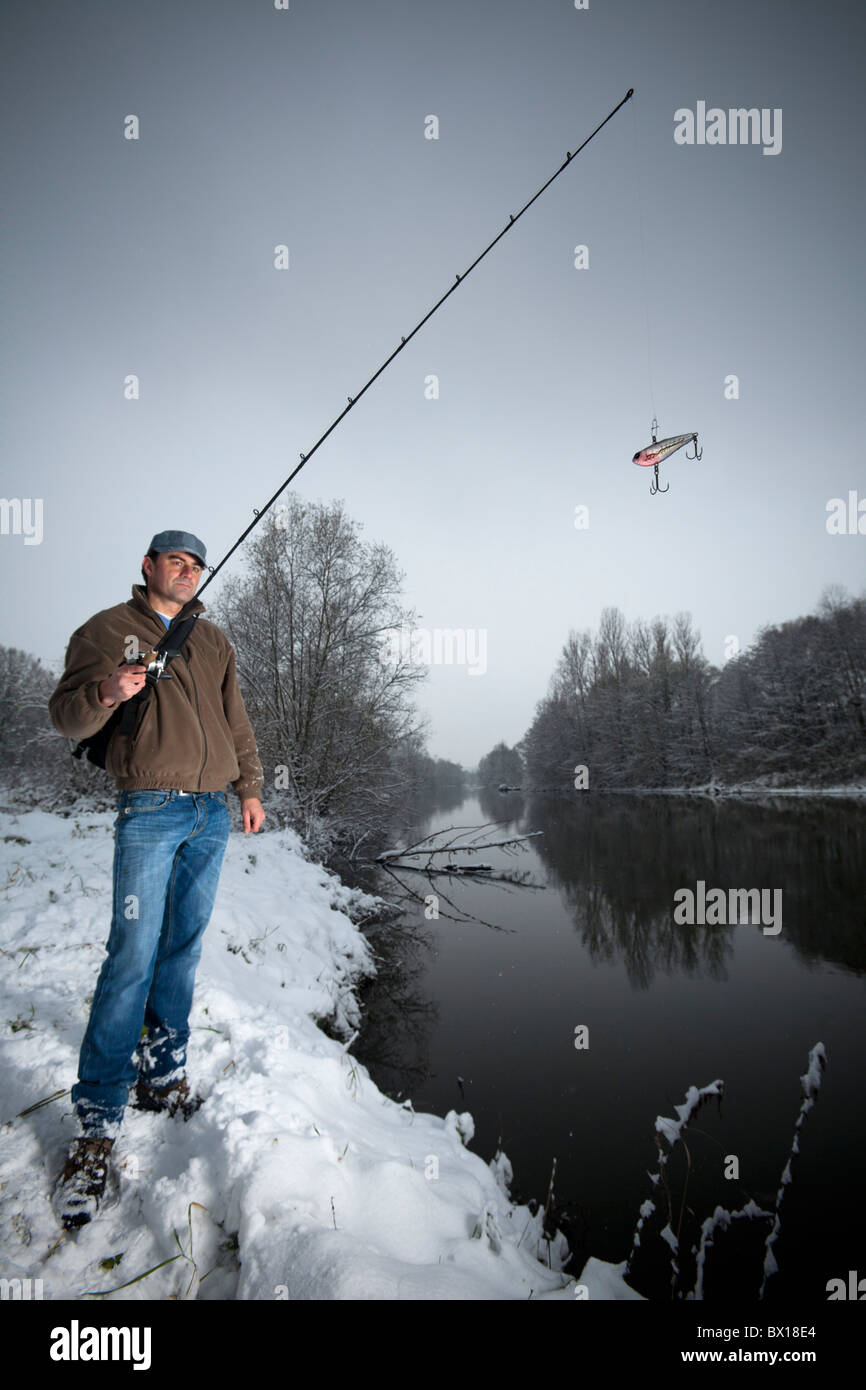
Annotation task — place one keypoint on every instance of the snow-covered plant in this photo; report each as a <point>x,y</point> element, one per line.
<point>810,1084</point>
<point>672,1132</point>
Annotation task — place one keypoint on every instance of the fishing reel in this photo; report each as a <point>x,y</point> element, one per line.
<point>155,663</point>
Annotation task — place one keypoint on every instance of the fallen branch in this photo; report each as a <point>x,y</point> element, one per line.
<point>451,846</point>
<point>422,901</point>
<point>509,876</point>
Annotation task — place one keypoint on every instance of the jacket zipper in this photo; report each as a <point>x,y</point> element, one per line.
<point>197,709</point>
<point>142,715</point>
<point>200,724</point>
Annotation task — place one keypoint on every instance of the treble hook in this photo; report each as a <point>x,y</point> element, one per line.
<point>696,454</point>
<point>654,485</point>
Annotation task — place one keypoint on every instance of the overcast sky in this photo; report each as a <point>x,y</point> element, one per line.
<point>306,127</point>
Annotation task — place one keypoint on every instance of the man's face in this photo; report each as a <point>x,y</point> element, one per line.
<point>173,577</point>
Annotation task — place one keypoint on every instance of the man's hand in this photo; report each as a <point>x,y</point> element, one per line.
<point>253,813</point>
<point>122,685</point>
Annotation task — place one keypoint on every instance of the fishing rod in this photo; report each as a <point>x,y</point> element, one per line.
<point>353,400</point>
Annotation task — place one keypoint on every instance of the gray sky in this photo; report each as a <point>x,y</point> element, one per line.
<point>306,127</point>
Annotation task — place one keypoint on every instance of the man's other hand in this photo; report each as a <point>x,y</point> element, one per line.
<point>253,813</point>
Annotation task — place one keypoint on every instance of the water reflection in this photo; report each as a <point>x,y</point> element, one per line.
<point>399,1017</point>
<point>618,861</point>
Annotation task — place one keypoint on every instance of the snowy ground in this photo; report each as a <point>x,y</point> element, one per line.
<point>297,1178</point>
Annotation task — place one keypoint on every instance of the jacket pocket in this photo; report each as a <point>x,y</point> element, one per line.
<point>121,747</point>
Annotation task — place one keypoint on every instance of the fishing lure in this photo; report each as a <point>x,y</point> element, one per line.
<point>653,454</point>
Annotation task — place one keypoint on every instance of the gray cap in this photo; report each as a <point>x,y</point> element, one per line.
<point>179,540</point>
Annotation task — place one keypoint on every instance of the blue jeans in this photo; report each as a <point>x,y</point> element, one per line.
<point>168,851</point>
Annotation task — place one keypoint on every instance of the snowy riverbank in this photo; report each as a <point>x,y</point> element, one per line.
<point>712,791</point>
<point>297,1178</point>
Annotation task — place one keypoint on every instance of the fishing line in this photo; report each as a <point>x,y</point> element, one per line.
<point>653,454</point>
<point>638,184</point>
<point>353,400</point>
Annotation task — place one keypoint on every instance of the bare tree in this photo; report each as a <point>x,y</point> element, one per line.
<point>326,686</point>
<point>35,762</point>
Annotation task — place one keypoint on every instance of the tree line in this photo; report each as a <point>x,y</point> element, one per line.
<point>502,766</point>
<point>340,740</point>
<point>638,705</point>
<point>331,700</point>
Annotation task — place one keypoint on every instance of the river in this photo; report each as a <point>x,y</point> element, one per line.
<point>488,1016</point>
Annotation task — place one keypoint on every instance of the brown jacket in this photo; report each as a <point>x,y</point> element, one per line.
<point>194,733</point>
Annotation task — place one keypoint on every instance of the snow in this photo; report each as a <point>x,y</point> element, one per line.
<point>670,1129</point>
<point>759,790</point>
<point>667,1235</point>
<point>646,1210</point>
<point>297,1178</point>
<point>811,1081</point>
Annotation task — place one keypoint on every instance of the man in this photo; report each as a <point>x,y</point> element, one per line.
<point>191,737</point>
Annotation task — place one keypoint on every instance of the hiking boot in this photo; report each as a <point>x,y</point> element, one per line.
<point>80,1189</point>
<point>173,1100</point>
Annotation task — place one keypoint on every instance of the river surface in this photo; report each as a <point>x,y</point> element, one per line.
<point>482,1016</point>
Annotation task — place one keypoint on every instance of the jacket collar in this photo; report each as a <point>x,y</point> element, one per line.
<point>140,603</point>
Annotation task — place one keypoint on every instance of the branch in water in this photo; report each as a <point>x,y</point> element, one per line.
<point>451,846</point>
